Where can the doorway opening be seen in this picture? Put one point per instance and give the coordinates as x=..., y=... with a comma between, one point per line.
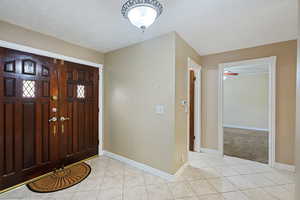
x=194, y=99
x=246, y=119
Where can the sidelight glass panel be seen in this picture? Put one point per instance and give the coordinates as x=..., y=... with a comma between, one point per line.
x=28, y=89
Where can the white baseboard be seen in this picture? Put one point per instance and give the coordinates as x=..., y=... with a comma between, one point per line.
x=282, y=166
x=210, y=151
x=140, y=166
x=244, y=127
x=181, y=169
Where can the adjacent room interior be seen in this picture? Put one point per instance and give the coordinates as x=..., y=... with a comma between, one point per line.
x=245, y=118
x=148, y=100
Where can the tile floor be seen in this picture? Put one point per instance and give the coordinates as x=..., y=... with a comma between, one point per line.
x=208, y=177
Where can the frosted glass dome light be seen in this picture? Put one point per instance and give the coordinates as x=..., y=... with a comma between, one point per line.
x=142, y=13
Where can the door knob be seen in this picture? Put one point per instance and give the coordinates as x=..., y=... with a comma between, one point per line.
x=64, y=118
x=53, y=119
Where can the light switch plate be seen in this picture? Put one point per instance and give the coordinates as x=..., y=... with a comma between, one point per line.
x=159, y=109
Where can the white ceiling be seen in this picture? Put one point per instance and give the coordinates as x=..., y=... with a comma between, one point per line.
x=209, y=26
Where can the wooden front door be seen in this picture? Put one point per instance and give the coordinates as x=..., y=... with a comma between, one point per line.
x=78, y=111
x=192, y=110
x=34, y=138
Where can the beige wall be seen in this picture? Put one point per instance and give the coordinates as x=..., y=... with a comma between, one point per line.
x=297, y=154
x=19, y=35
x=286, y=94
x=183, y=52
x=209, y=136
x=246, y=101
x=136, y=79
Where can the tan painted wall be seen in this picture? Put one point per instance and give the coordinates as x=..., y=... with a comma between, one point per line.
x=286, y=94
x=22, y=36
x=297, y=153
x=246, y=101
x=183, y=52
x=209, y=136
x=136, y=79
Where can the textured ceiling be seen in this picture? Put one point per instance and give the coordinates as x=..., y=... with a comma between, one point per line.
x=209, y=26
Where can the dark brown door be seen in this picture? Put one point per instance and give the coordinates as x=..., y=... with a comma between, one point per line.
x=35, y=93
x=26, y=140
x=78, y=111
x=192, y=109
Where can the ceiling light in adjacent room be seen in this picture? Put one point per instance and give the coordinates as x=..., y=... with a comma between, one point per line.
x=142, y=13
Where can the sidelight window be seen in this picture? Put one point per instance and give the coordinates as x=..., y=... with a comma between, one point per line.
x=28, y=89
x=80, y=91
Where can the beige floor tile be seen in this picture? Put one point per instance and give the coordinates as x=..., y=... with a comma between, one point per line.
x=188, y=198
x=87, y=195
x=132, y=171
x=210, y=173
x=258, y=194
x=243, y=169
x=191, y=173
x=202, y=187
x=241, y=183
x=114, y=171
x=21, y=192
x=259, y=180
x=227, y=171
x=41, y=198
x=159, y=192
x=134, y=180
x=112, y=182
x=278, y=178
x=63, y=194
x=237, y=195
x=89, y=184
x=222, y=185
x=279, y=192
x=180, y=178
x=211, y=197
x=290, y=188
x=111, y=194
x=153, y=180
x=135, y=193
x=199, y=164
x=181, y=189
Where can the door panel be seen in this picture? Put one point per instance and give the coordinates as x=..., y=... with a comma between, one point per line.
x=79, y=105
x=192, y=110
x=24, y=113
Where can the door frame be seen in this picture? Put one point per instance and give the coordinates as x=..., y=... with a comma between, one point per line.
x=192, y=65
x=271, y=62
x=40, y=52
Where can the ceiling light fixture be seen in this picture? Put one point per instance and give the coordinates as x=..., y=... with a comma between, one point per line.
x=142, y=13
